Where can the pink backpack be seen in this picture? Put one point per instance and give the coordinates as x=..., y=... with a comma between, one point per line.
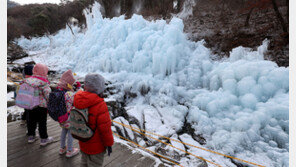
x=27, y=97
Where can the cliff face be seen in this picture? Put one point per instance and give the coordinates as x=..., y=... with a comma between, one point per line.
x=229, y=25
x=156, y=8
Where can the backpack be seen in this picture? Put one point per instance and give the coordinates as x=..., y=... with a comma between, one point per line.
x=79, y=126
x=56, y=106
x=27, y=96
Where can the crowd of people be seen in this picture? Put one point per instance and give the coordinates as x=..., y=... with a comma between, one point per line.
x=39, y=100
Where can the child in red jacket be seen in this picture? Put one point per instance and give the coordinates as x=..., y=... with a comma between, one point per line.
x=99, y=119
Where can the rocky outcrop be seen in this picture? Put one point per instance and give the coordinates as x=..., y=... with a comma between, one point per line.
x=118, y=113
x=15, y=52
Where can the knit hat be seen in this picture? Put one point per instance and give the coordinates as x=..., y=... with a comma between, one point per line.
x=94, y=83
x=28, y=70
x=67, y=80
x=40, y=70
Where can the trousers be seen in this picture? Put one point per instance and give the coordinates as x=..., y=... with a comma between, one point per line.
x=37, y=116
x=64, y=134
x=95, y=160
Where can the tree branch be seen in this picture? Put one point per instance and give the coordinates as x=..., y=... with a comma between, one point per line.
x=70, y=28
x=279, y=16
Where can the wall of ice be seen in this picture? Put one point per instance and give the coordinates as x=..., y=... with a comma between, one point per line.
x=240, y=104
x=133, y=45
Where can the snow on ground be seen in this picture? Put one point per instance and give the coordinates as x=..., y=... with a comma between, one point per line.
x=10, y=96
x=137, y=150
x=239, y=104
x=15, y=112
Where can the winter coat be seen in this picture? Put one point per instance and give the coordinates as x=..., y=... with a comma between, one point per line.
x=43, y=86
x=99, y=119
x=69, y=98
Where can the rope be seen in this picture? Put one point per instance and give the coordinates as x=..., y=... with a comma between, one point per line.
x=192, y=145
x=128, y=126
x=148, y=150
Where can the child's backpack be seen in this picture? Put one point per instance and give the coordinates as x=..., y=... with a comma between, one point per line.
x=56, y=106
x=27, y=96
x=79, y=126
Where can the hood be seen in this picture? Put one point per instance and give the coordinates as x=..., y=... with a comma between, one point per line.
x=40, y=70
x=35, y=82
x=67, y=80
x=83, y=99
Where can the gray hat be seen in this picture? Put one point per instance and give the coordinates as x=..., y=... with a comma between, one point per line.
x=94, y=83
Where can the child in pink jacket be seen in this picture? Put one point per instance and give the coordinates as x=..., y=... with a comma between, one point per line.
x=39, y=115
x=66, y=83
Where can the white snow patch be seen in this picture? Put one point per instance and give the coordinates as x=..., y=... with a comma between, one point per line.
x=15, y=112
x=10, y=96
x=128, y=130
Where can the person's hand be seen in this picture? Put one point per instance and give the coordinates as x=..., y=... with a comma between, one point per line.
x=109, y=149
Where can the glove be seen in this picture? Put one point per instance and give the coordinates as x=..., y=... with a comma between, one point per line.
x=109, y=149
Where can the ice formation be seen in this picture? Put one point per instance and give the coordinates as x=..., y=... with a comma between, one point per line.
x=239, y=104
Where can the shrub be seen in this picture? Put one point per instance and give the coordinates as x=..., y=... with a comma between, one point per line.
x=39, y=19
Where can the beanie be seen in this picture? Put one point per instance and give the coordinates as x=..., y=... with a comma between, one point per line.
x=28, y=70
x=94, y=83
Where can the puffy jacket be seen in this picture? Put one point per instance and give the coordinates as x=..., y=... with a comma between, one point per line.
x=69, y=98
x=99, y=119
x=43, y=85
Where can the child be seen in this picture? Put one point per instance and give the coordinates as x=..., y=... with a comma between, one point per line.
x=99, y=119
x=76, y=86
x=66, y=83
x=27, y=72
x=39, y=115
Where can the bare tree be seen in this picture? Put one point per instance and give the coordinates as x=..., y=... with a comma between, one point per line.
x=248, y=17
x=279, y=16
